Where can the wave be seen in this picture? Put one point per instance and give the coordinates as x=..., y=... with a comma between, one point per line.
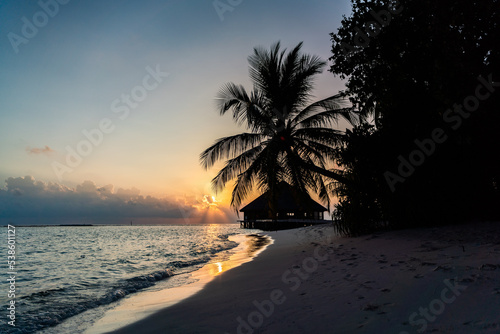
x=64, y=310
x=61, y=290
x=69, y=307
x=43, y=293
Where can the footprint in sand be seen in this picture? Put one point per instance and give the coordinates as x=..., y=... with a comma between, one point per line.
x=467, y=280
x=428, y=264
x=488, y=267
x=443, y=268
x=370, y=307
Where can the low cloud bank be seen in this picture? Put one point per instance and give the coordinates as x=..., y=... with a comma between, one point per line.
x=25, y=200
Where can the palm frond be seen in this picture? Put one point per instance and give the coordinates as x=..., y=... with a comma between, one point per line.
x=308, y=66
x=327, y=118
x=326, y=136
x=244, y=181
x=265, y=69
x=332, y=103
x=310, y=166
x=249, y=109
x=322, y=191
x=229, y=147
x=234, y=167
x=315, y=151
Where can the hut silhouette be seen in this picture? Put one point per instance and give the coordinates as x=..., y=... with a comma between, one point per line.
x=286, y=208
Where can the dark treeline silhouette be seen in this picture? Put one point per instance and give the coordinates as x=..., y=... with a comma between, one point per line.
x=427, y=152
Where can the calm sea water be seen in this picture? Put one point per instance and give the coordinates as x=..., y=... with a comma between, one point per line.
x=65, y=271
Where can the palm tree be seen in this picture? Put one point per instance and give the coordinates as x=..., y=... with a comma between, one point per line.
x=286, y=139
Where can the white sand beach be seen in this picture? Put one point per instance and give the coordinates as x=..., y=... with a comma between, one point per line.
x=439, y=280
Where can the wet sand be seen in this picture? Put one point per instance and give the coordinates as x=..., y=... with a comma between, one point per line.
x=145, y=303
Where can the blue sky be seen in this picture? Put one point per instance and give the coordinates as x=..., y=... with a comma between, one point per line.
x=62, y=79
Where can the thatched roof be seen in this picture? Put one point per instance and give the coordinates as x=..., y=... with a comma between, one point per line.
x=288, y=199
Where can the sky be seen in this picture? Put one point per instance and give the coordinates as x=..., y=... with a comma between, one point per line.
x=105, y=106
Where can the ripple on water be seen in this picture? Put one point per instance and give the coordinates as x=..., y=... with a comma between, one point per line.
x=68, y=270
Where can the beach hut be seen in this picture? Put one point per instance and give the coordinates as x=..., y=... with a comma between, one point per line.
x=292, y=208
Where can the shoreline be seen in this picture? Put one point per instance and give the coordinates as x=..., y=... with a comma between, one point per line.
x=138, y=306
x=445, y=280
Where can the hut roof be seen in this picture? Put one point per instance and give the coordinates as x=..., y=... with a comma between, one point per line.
x=288, y=199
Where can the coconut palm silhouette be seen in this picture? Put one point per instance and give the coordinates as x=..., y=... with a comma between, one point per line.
x=287, y=139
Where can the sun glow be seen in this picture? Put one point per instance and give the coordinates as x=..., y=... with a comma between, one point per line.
x=210, y=208
x=209, y=202
x=217, y=268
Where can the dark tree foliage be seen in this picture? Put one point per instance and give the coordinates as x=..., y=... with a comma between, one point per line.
x=357, y=198
x=411, y=66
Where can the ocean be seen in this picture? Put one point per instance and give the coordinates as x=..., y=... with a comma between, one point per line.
x=73, y=274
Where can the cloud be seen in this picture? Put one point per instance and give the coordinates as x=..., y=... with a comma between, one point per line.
x=44, y=150
x=25, y=200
